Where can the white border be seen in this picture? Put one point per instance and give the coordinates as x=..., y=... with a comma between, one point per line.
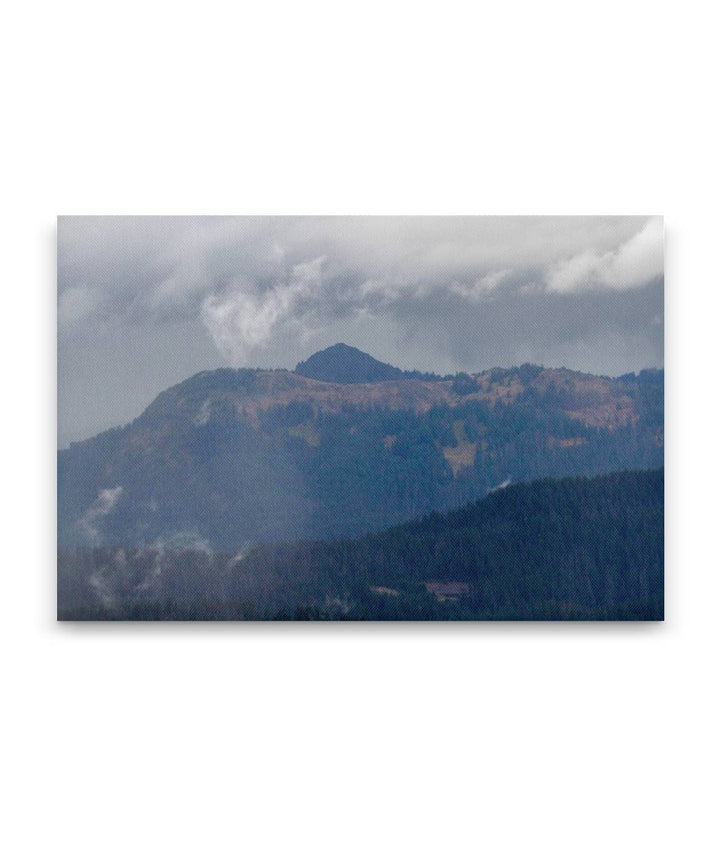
x=505, y=739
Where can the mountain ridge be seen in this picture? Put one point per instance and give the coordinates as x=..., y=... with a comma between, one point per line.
x=244, y=455
x=483, y=384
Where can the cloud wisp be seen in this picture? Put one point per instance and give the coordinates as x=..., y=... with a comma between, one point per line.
x=89, y=523
x=634, y=263
x=243, y=316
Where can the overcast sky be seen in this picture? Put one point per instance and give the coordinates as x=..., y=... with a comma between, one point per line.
x=144, y=302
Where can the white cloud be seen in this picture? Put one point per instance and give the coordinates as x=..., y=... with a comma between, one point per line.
x=481, y=287
x=632, y=264
x=107, y=499
x=640, y=259
x=244, y=317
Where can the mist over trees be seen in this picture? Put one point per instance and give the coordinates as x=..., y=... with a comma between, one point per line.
x=574, y=548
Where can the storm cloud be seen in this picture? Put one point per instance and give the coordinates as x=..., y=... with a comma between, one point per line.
x=145, y=301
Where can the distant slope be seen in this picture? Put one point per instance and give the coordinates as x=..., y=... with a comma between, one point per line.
x=238, y=456
x=569, y=549
x=344, y=364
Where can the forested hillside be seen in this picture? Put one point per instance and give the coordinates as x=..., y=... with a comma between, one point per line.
x=574, y=548
x=231, y=458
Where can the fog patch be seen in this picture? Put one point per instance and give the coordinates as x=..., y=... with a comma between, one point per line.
x=202, y=417
x=89, y=523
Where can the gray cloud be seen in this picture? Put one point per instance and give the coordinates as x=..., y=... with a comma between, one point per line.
x=443, y=293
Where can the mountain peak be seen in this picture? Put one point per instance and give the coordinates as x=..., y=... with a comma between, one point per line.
x=342, y=363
